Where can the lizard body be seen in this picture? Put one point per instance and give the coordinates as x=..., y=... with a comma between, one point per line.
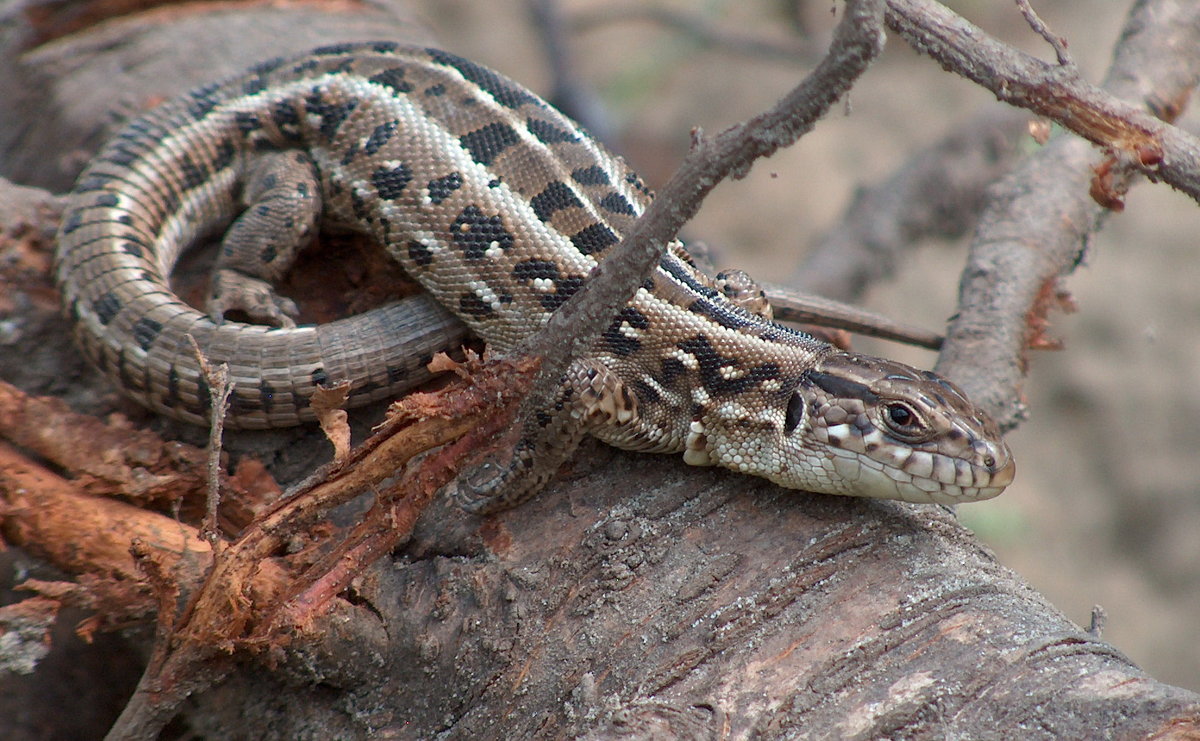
x=500, y=207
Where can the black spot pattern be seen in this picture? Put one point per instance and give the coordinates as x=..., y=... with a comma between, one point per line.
x=633, y=179
x=710, y=363
x=474, y=232
x=287, y=119
x=202, y=100
x=391, y=181
x=305, y=66
x=225, y=152
x=616, y=341
x=334, y=50
x=645, y=393
x=332, y=115
x=380, y=136
x=504, y=92
x=194, y=173
x=118, y=153
x=436, y=91
x=564, y=288
x=73, y=221
x=133, y=247
x=254, y=85
x=472, y=305
x=591, y=175
x=358, y=203
x=419, y=253
x=93, y=181
x=106, y=307
x=268, y=253
x=616, y=203
x=173, y=395
x=842, y=388
x=593, y=239
x=672, y=370
x=246, y=122
x=145, y=332
x=676, y=269
x=441, y=188
x=367, y=388
x=556, y=196
x=486, y=143
x=319, y=377
x=548, y=133
x=396, y=374
x=392, y=78
x=530, y=270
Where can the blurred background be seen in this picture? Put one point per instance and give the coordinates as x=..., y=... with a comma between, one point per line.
x=1106, y=506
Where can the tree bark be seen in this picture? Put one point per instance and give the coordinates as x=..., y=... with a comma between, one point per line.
x=636, y=597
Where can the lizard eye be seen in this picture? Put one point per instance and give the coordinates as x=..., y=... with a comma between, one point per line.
x=901, y=419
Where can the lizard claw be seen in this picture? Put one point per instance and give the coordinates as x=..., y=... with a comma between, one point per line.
x=235, y=291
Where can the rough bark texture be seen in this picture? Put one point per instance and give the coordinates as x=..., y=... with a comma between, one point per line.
x=635, y=598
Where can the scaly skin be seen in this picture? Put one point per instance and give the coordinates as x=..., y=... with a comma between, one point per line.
x=499, y=206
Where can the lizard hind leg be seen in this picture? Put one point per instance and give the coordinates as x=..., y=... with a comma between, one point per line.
x=590, y=396
x=282, y=194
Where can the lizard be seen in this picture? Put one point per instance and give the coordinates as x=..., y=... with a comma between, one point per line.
x=499, y=206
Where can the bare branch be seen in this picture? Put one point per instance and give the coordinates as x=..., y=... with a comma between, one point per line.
x=937, y=192
x=1039, y=218
x=219, y=388
x=1157, y=149
x=857, y=41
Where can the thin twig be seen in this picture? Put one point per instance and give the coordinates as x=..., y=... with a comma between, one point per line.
x=857, y=41
x=219, y=389
x=1157, y=149
x=1039, y=218
x=1056, y=42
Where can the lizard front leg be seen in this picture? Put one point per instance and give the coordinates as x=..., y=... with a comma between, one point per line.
x=590, y=396
x=282, y=194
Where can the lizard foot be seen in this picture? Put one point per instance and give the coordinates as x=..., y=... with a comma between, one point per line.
x=234, y=291
x=590, y=395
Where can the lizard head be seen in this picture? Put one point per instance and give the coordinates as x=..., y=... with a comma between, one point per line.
x=865, y=426
x=888, y=430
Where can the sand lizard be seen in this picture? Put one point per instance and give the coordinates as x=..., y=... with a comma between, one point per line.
x=499, y=206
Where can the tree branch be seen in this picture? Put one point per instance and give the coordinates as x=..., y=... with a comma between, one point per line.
x=1157, y=149
x=1037, y=222
x=857, y=41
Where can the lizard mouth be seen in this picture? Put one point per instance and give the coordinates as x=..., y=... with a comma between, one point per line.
x=928, y=477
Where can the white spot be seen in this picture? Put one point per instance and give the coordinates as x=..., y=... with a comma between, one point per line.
x=493, y=251
x=687, y=359
x=728, y=372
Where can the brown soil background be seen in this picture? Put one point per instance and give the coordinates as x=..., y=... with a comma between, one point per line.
x=1106, y=507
